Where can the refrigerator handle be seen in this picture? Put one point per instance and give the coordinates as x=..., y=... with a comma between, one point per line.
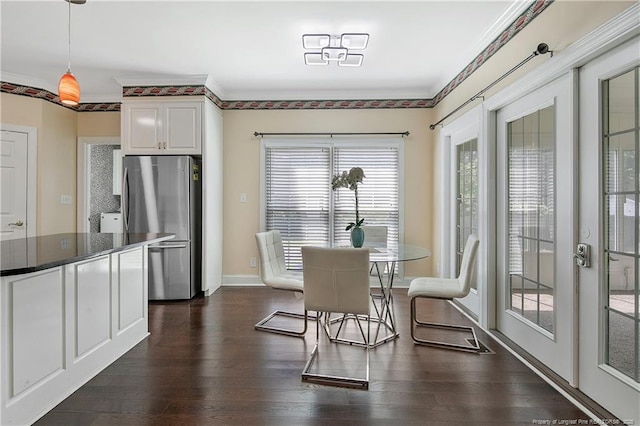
x=125, y=199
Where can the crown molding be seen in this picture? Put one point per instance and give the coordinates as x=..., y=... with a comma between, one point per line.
x=510, y=15
x=621, y=28
x=140, y=80
x=23, y=80
x=101, y=99
x=317, y=95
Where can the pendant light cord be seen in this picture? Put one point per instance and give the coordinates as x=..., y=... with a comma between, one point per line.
x=69, y=39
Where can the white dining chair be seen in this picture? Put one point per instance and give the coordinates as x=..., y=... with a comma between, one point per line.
x=445, y=289
x=376, y=237
x=337, y=281
x=274, y=273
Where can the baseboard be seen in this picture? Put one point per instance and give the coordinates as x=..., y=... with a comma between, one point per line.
x=254, y=280
x=241, y=280
x=575, y=396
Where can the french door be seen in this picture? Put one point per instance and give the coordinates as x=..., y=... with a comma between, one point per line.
x=535, y=224
x=465, y=211
x=609, y=364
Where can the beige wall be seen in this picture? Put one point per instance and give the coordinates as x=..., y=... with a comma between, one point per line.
x=58, y=129
x=560, y=25
x=56, y=169
x=56, y=175
x=95, y=124
x=242, y=172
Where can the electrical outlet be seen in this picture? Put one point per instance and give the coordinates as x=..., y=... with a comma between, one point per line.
x=252, y=262
x=65, y=243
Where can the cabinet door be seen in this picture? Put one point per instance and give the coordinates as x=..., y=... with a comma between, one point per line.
x=182, y=128
x=141, y=129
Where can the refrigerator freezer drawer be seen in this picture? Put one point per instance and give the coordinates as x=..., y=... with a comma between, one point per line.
x=171, y=271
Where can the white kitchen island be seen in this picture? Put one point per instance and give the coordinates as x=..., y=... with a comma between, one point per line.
x=70, y=305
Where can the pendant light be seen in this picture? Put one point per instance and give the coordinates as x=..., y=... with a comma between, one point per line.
x=68, y=87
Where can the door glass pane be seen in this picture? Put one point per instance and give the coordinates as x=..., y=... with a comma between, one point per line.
x=621, y=344
x=620, y=144
x=467, y=199
x=531, y=203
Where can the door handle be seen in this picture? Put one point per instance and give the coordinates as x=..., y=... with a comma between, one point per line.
x=125, y=199
x=171, y=246
x=583, y=255
x=18, y=223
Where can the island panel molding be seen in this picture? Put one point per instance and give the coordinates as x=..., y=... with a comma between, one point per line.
x=70, y=305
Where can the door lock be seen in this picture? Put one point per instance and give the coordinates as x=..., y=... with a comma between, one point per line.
x=583, y=255
x=18, y=223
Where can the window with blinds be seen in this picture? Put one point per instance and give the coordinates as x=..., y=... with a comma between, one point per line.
x=299, y=201
x=377, y=194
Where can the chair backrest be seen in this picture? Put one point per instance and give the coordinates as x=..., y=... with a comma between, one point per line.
x=336, y=279
x=375, y=236
x=468, y=260
x=271, y=253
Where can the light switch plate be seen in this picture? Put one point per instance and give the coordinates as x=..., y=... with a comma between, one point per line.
x=243, y=198
x=65, y=199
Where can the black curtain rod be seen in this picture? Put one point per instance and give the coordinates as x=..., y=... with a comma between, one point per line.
x=332, y=134
x=540, y=50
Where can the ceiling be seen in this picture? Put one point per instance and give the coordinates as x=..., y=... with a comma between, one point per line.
x=250, y=50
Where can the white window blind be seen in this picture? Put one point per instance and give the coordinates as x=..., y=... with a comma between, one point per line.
x=299, y=201
x=297, y=184
x=377, y=194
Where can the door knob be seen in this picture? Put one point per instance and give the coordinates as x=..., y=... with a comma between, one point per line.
x=583, y=255
x=18, y=223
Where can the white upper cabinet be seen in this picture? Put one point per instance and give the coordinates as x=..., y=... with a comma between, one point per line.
x=162, y=128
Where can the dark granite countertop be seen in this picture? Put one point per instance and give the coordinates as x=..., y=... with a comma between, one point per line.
x=25, y=255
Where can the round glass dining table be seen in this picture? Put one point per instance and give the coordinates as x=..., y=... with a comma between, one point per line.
x=385, y=260
x=383, y=264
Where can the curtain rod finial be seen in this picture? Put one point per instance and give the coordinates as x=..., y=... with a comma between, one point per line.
x=542, y=49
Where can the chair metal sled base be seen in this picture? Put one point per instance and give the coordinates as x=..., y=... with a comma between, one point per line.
x=325, y=379
x=263, y=327
x=474, y=347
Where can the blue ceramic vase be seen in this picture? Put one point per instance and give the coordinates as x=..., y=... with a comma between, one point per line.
x=357, y=237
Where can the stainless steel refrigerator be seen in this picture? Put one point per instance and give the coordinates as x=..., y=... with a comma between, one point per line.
x=163, y=194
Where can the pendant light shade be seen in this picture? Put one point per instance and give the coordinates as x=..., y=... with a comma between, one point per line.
x=69, y=89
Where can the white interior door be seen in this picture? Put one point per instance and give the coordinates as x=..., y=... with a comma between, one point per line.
x=535, y=224
x=609, y=367
x=13, y=185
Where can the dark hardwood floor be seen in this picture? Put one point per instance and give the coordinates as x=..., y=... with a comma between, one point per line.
x=205, y=364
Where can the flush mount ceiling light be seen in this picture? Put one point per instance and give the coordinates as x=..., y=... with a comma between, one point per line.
x=338, y=49
x=68, y=87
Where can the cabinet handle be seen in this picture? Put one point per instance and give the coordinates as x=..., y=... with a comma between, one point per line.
x=164, y=145
x=159, y=145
